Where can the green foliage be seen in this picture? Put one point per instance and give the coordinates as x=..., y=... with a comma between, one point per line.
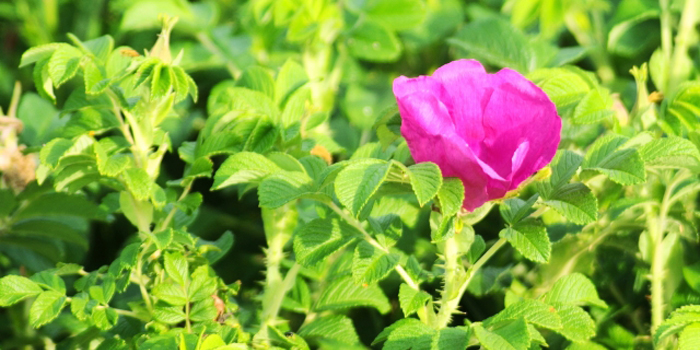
x=127, y=174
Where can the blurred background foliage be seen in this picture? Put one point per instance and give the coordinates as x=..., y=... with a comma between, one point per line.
x=352, y=50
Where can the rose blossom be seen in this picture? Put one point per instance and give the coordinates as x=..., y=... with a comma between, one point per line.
x=490, y=130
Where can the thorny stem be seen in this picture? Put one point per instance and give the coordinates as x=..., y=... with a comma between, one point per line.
x=448, y=307
x=657, y=229
x=278, y=227
x=287, y=284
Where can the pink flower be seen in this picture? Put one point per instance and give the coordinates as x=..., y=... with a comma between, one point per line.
x=490, y=130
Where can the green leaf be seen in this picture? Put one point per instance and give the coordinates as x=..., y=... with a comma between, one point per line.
x=78, y=305
x=211, y=342
x=283, y=187
x=533, y=311
x=589, y=345
x=46, y=308
x=203, y=310
x=594, y=107
x=258, y=79
x=97, y=293
x=40, y=118
x=358, y=182
x=671, y=152
x=333, y=327
x=161, y=81
x=290, y=77
x=406, y=334
x=496, y=42
x=139, y=213
x=95, y=82
x=374, y=42
x=7, y=202
x=371, y=265
x=426, y=180
x=574, y=289
x=104, y=318
x=319, y=238
x=397, y=14
x=49, y=280
x=634, y=29
x=177, y=267
x=530, y=239
x=564, y=166
x=343, y=293
x=51, y=154
x=575, y=202
x=170, y=293
x=451, y=196
x=64, y=64
x=411, y=300
x=295, y=108
x=243, y=167
x=444, y=231
x=101, y=47
x=678, y=319
x=168, y=314
x=578, y=326
x=515, y=209
x=565, y=86
x=14, y=289
x=145, y=71
x=512, y=336
x=39, y=53
x=222, y=246
x=139, y=183
x=684, y=104
x=450, y=339
x=42, y=80
x=202, y=286
x=242, y=100
x=622, y=165
x=113, y=344
x=690, y=337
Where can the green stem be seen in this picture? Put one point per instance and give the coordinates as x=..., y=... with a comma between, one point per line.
x=276, y=303
x=656, y=225
x=666, y=32
x=690, y=17
x=448, y=307
x=129, y=313
x=596, y=44
x=450, y=297
x=139, y=279
x=188, y=325
x=279, y=225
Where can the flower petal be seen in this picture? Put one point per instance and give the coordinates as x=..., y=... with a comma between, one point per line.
x=518, y=112
x=431, y=138
x=467, y=91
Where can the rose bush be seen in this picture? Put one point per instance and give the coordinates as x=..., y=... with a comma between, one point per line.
x=490, y=130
